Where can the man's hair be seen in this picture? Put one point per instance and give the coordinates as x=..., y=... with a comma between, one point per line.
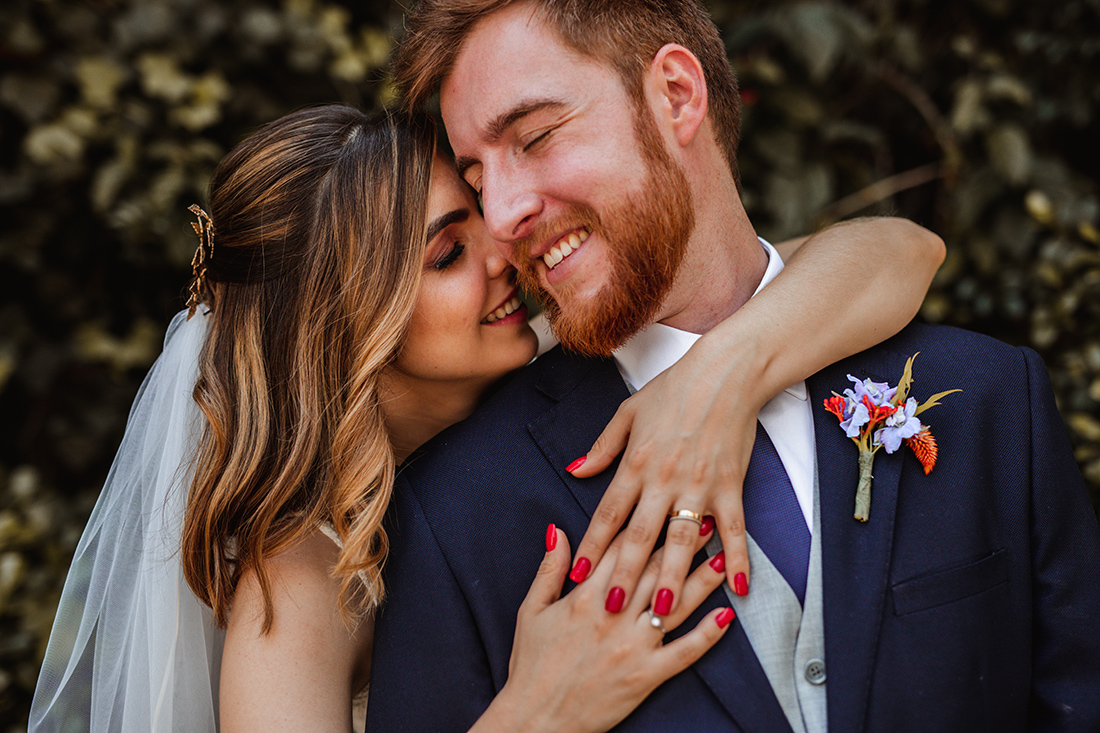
x=625, y=34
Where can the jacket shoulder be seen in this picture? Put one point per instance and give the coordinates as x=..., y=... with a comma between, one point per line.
x=501, y=422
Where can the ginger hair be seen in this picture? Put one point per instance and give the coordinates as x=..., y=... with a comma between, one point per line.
x=625, y=34
x=319, y=227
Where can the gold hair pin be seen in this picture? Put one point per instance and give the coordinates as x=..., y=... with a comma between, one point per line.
x=204, y=227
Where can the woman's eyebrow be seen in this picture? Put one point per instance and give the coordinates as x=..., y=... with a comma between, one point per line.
x=442, y=222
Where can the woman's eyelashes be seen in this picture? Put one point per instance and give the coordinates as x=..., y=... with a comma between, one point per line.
x=449, y=259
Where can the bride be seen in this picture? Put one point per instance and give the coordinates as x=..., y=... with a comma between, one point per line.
x=343, y=258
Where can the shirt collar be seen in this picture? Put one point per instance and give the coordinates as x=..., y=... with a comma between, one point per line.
x=657, y=347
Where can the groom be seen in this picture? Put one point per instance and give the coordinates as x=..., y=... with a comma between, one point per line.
x=970, y=599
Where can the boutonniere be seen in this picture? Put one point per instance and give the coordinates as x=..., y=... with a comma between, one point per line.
x=875, y=415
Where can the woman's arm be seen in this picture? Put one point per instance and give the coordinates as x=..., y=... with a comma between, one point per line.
x=303, y=673
x=688, y=434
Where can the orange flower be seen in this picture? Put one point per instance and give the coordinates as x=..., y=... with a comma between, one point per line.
x=924, y=447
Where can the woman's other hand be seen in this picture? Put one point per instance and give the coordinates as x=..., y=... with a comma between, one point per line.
x=575, y=666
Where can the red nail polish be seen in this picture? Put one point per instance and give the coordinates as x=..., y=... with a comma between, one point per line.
x=576, y=464
x=615, y=598
x=718, y=562
x=551, y=538
x=580, y=570
x=707, y=526
x=663, y=605
x=740, y=585
x=723, y=619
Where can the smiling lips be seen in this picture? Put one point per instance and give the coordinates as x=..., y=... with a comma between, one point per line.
x=511, y=306
x=566, y=246
x=557, y=254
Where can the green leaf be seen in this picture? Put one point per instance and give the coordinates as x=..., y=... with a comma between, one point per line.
x=934, y=400
x=1010, y=153
x=905, y=382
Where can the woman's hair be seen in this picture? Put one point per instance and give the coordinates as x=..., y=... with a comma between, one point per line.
x=319, y=238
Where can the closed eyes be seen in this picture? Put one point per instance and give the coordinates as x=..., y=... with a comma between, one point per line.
x=536, y=141
x=449, y=259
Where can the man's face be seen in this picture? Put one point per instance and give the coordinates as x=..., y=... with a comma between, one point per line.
x=579, y=188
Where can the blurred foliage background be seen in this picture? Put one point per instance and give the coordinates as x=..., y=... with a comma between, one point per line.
x=975, y=118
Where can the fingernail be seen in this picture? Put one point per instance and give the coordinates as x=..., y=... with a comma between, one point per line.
x=663, y=605
x=580, y=570
x=615, y=598
x=718, y=562
x=740, y=585
x=576, y=464
x=723, y=619
x=707, y=526
x=551, y=538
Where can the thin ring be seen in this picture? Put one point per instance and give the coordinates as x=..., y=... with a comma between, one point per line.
x=655, y=621
x=688, y=515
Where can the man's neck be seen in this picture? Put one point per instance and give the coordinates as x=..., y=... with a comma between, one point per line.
x=722, y=266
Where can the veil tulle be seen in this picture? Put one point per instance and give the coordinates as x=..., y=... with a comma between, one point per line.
x=132, y=648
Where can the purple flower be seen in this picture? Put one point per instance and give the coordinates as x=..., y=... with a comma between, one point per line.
x=879, y=393
x=856, y=418
x=899, y=426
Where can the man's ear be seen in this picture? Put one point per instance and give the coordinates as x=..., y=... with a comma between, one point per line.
x=676, y=76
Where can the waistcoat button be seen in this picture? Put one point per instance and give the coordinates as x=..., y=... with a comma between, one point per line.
x=815, y=672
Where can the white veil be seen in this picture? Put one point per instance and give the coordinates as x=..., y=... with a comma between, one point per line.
x=132, y=648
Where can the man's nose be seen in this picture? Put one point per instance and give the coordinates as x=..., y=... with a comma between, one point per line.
x=511, y=207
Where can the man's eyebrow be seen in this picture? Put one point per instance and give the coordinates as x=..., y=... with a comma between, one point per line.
x=442, y=222
x=503, y=121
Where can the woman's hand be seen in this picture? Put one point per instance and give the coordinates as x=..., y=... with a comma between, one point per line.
x=577, y=667
x=688, y=434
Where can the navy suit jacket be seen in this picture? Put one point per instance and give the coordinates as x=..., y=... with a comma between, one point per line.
x=969, y=602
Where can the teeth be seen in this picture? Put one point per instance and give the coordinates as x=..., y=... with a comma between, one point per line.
x=505, y=310
x=564, y=248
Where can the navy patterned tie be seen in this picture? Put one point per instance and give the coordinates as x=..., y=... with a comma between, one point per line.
x=772, y=515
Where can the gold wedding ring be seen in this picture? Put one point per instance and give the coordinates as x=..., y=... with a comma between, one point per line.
x=688, y=515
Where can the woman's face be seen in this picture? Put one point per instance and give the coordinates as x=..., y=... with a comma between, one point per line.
x=469, y=327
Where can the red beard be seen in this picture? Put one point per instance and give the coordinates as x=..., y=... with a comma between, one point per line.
x=646, y=234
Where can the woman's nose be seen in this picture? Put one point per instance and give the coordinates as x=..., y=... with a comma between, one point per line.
x=495, y=264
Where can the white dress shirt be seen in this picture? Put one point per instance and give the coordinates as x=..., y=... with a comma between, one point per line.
x=787, y=417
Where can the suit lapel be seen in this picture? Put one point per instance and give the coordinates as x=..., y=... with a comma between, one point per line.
x=586, y=393
x=855, y=555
